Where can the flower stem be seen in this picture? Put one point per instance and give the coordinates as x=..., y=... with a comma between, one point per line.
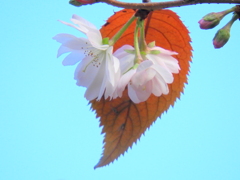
x=230, y=23
x=229, y=10
x=121, y=31
x=142, y=42
x=138, y=58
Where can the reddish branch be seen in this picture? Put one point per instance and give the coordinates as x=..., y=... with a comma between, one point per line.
x=162, y=5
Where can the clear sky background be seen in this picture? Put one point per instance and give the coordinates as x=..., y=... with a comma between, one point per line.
x=48, y=132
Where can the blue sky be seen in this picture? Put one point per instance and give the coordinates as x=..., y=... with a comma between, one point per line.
x=48, y=132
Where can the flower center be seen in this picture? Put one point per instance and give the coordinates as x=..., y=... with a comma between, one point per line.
x=94, y=57
x=95, y=62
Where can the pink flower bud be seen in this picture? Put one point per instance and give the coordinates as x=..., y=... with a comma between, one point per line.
x=86, y=1
x=221, y=38
x=81, y=2
x=210, y=20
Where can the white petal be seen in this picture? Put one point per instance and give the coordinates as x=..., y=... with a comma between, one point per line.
x=121, y=53
x=149, y=86
x=62, y=38
x=142, y=93
x=109, y=90
x=70, y=43
x=164, y=51
x=155, y=59
x=116, y=64
x=83, y=25
x=161, y=68
x=97, y=87
x=126, y=59
x=72, y=58
x=156, y=90
x=79, y=75
x=83, y=29
x=164, y=73
x=103, y=80
x=170, y=62
x=137, y=78
x=144, y=65
x=162, y=84
x=124, y=80
x=77, y=44
x=127, y=62
x=85, y=72
x=141, y=77
x=96, y=40
x=139, y=94
x=63, y=50
x=132, y=94
x=165, y=60
x=146, y=76
x=110, y=70
x=82, y=22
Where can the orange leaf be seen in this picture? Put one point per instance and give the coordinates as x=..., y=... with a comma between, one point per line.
x=124, y=121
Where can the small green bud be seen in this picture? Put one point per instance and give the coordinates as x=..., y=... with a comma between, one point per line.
x=143, y=53
x=105, y=40
x=130, y=51
x=152, y=44
x=221, y=38
x=155, y=52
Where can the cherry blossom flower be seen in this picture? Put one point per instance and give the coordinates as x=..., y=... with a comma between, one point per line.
x=97, y=70
x=151, y=76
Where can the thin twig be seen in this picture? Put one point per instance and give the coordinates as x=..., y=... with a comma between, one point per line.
x=162, y=5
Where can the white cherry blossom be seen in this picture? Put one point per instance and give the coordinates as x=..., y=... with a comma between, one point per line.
x=97, y=69
x=151, y=76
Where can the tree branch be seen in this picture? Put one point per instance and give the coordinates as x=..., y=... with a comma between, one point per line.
x=162, y=5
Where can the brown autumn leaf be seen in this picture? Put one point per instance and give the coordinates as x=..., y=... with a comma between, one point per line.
x=124, y=121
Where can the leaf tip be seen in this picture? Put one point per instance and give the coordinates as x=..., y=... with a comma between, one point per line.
x=99, y=164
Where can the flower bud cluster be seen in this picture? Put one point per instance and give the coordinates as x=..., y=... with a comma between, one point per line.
x=211, y=20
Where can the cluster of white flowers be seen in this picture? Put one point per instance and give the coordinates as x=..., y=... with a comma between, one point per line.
x=107, y=74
